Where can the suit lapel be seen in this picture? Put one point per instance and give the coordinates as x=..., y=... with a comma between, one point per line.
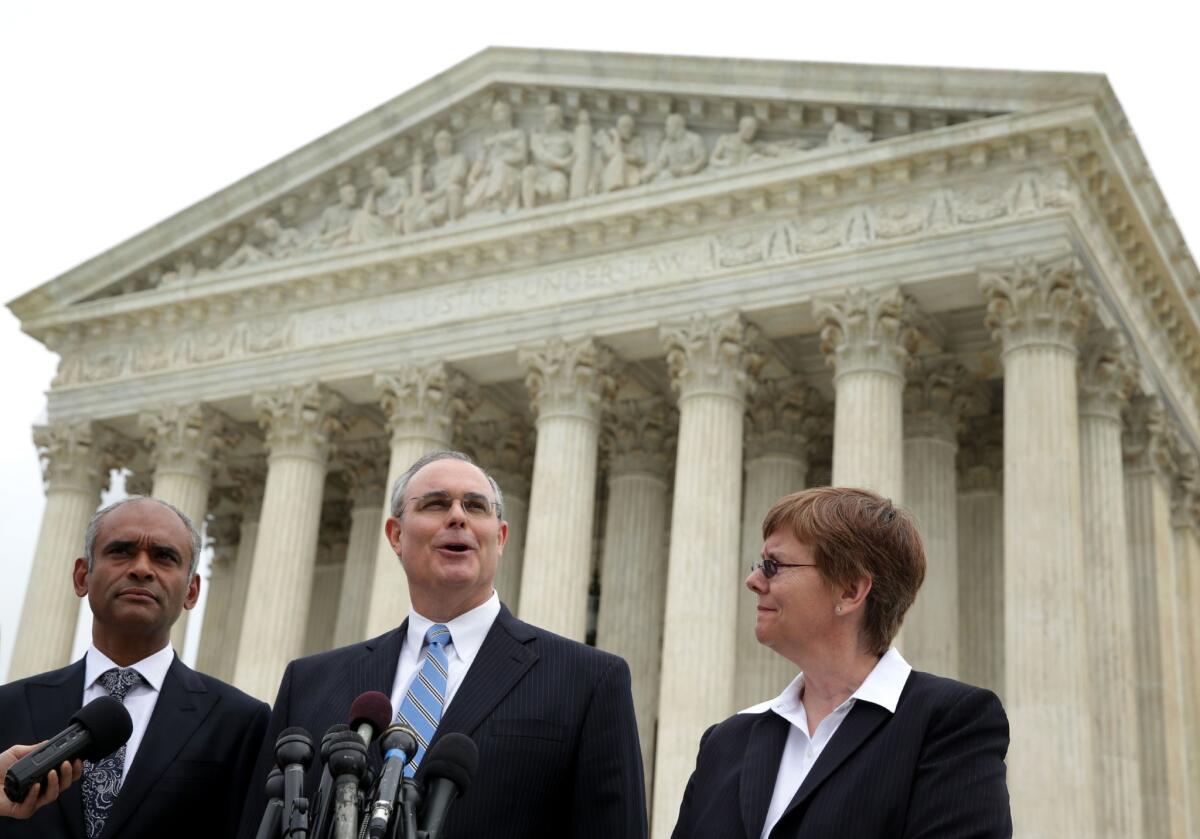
x=760, y=765
x=862, y=720
x=53, y=698
x=502, y=660
x=182, y=706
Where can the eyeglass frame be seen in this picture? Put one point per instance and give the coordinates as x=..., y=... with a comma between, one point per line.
x=491, y=508
x=770, y=567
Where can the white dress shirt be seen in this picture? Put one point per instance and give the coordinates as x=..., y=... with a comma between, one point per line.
x=140, y=699
x=467, y=632
x=881, y=687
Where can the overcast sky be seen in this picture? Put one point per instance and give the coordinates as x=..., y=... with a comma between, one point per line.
x=118, y=114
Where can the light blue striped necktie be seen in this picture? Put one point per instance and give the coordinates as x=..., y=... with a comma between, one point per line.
x=421, y=708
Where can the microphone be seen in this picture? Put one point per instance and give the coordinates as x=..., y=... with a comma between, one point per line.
x=293, y=754
x=321, y=802
x=268, y=828
x=399, y=744
x=446, y=770
x=370, y=714
x=97, y=730
x=347, y=762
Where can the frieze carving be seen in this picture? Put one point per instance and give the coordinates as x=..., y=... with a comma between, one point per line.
x=513, y=161
x=814, y=231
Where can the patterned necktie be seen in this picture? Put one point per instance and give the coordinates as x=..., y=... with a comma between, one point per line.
x=421, y=708
x=102, y=779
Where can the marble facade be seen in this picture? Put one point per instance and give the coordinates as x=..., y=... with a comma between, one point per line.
x=651, y=295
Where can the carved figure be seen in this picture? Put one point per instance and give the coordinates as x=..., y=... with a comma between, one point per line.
x=494, y=182
x=841, y=134
x=583, y=175
x=447, y=178
x=547, y=179
x=337, y=220
x=276, y=242
x=682, y=152
x=388, y=196
x=740, y=147
x=623, y=154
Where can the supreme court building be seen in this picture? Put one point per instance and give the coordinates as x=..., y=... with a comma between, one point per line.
x=652, y=295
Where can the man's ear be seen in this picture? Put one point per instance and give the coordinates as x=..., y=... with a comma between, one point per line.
x=193, y=592
x=79, y=577
x=391, y=529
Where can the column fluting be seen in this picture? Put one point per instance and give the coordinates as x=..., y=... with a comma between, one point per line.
x=222, y=534
x=365, y=471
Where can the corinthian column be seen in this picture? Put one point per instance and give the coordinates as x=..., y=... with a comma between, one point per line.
x=184, y=441
x=710, y=363
x=569, y=384
x=299, y=422
x=422, y=402
x=505, y=449
x=247, y=495
x=981, y=554
x=365, y=470
x=1036, y=310
x=863, y=335
x=328, y=577
x=933, y=402
x=1184, y=497
x=223, y=533
x=776, y=464
x=1149, y=466
x=74, y=469
x=1106, y=379
x=633, y=579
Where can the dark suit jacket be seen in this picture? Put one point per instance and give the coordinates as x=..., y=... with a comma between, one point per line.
x=189, y=773
x=935, y=768
x=553, y=720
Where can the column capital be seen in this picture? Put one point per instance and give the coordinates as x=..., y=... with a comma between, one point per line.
x=1146, y=439
x=505, y=449
x=364, y=468
x=866, y=330
x=1036, y=302
x=248, y=482
x=936, y=399
x=713, y=354
x=779, y=417
x=425, y=400
x=569, y=378
x=980, y=457
x=1106, y=375
x=640, y=437
x=223, y=532
x=187, y=438
x=335, y=531
x=299, y=420
x=78, y=455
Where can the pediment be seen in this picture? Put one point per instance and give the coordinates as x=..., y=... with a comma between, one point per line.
x=510, y=131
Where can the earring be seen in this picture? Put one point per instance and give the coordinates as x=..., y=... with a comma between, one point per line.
x=837, y=609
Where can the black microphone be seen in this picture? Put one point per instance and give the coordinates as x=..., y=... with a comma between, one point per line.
x=446, y=770
x=97, y=730
x=370, y=714
x=399, y=744
x=293, y=754
x=322, y=802
x=347, y=762
x=272, y=818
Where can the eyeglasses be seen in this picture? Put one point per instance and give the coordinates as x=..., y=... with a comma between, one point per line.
x=770, y=567
x=473, y=504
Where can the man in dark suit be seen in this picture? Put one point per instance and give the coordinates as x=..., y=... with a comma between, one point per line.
x=553, y=719
x=859, y=744
x=185, y=766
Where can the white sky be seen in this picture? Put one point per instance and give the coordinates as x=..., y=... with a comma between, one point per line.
x=118, y=114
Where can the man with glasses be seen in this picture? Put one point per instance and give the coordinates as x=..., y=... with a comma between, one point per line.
x=553, y=719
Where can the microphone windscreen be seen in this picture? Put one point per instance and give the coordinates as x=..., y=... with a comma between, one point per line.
x=453, y=756
x=333, y=734
x=371, y=707
x=109, y=724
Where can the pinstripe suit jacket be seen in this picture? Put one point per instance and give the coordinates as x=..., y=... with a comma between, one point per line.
x=935, y=768
x=558, y=747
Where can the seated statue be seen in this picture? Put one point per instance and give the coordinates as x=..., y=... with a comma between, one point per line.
x=336, y=222
x=740, y=147
x=547, y=179
x=622, y=155
x=494, y=182
x=841, y=134
x=383, y=208
x=275, y=242
x=446, y=180
x=682, y=153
